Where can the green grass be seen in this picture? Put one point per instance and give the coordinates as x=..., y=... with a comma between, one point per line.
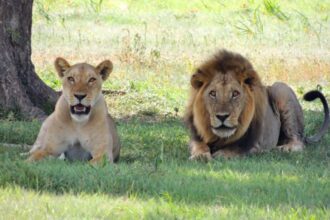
x=267, y=186
x=155, y=46
x=255, y=188
x=154, y=179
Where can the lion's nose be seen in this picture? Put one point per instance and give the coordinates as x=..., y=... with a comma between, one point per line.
x=222, y=116
x=79, y=97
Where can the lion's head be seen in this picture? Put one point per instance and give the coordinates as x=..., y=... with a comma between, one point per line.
x=82, y=85
x=227, y=95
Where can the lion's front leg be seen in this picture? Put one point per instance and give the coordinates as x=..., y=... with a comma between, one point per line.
x=294, y=145
x=199, y=151
x=227, y=153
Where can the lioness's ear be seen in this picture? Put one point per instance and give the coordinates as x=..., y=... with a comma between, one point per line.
x=104, y=69
x=61, y=65
x=197, y=79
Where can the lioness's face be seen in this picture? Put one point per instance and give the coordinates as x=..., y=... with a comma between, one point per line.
x=82, y=85
x=224, y=100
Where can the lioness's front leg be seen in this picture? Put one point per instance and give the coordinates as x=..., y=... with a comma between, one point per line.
x=38, y=155
x=41, y=152
x=199, y=150
x=98, y=153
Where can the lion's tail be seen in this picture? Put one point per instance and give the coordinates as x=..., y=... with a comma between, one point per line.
x=310, y=96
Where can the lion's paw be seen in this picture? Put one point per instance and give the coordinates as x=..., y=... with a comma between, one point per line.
x=206, y=156
x=292, y=147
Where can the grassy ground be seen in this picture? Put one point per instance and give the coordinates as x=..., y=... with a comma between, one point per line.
x=155, y=46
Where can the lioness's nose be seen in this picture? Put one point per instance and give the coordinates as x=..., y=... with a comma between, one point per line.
x=222, y=117
x=79, y=97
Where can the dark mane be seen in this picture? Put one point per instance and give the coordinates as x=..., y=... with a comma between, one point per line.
x=196, y=117
x=224, y=61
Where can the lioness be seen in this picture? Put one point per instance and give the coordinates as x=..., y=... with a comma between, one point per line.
x=231, y=112
x=80, y=122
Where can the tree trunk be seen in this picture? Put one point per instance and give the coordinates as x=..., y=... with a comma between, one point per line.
x=20, y=87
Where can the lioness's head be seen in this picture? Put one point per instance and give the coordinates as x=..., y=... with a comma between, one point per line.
x=225, y=101
x=82, y=85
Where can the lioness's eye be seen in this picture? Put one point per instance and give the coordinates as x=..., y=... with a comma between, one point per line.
x=212, y=94
x=71, y=79
x=91, y=80
x=235, y=94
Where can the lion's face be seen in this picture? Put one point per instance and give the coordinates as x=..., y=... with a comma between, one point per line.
x=224, y=97
x=82, y=85
x=224, y=100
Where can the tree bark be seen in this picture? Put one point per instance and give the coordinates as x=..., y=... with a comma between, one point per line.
x=20, y=87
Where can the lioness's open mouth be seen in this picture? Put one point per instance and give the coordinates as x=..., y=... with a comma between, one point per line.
x=80, y=109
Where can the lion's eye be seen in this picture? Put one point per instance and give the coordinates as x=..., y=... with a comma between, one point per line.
x=71, y=79
x=235, y=94
x=212, y=94
x=91, y=80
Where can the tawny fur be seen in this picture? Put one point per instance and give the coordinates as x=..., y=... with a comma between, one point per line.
x=260, y=117
x=64, y=131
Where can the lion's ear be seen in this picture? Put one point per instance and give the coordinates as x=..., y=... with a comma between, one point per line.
x=61, y=65
x=251, y=78
x=249, y=81
x=198, y=79
x=104, y=69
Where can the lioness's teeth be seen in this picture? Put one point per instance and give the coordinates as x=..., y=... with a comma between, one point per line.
x=79, y=108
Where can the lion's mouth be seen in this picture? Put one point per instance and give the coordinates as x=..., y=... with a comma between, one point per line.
x=224, y=131
x=224, y=128
x=80, y=109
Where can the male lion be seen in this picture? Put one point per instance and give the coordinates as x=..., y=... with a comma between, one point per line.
x=231, y=112
x=80, y=126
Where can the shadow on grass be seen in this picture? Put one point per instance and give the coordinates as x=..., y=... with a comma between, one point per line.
x=154, y=165
x=259, y=181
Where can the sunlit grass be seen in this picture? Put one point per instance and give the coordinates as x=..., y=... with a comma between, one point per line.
x=273, y=185
x=155, y=46
x=20, y=203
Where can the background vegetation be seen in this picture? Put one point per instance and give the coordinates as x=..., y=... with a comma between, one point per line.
x=155, y=46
